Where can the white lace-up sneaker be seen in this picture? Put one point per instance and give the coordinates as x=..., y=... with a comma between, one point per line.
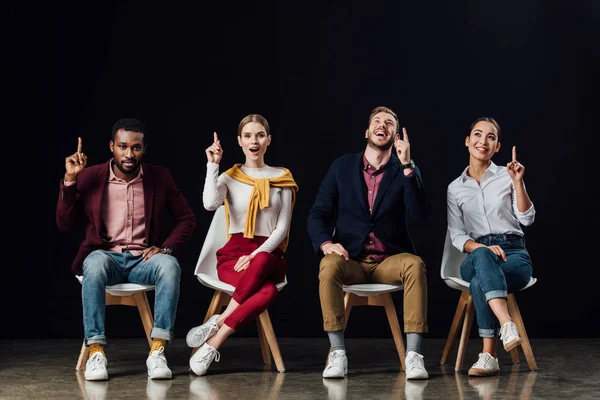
x=337, y=365
x=415, y=366
x=202, y=359
x=200, y=334
x=510, y=336
x=157, y=365
x=486, y=365
x=95, y=367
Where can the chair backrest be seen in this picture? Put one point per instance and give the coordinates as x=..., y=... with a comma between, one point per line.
x=216, y=237
x=452, y=258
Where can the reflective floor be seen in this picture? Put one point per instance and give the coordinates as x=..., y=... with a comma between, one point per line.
x=36, y=369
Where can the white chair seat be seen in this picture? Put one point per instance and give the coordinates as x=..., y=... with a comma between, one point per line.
x=371, y=289
x=459, y=284
x=124, y=289
x=215, y=283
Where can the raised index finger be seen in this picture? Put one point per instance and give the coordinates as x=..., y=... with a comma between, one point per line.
x=514, y=153
x=405, y=134
x=79, y=145
x=216, y=137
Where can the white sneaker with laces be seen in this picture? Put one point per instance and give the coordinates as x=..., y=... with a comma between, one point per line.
x=337, y=365
x=202, y=359
x=200, y=334
x=486, y=365
x=95, y=367
x=157, y=365
x=510, y=336
x=415, y=366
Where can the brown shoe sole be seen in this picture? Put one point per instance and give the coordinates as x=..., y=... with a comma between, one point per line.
x=513, y=344
x=481, y=372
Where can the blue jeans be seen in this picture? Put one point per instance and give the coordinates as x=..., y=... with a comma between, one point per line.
x=491, y=278
x=103, y=268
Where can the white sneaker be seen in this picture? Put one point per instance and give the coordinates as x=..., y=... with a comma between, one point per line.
x=201, y=360
x=415, y=366
x=157, y=365
x=510, y=336
x=337, y=365
x=486, y=365
x=95, y=367
x=200, y=334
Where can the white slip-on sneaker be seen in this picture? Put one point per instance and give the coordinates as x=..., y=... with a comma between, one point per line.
x=510, y=336
x=157, y=365
x=200, y=334
x=415, y=366
x=202, y=359
x=337, y=365
x=95, y=367
x=486, y=365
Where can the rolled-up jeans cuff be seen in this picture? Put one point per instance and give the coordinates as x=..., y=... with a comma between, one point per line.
x=487, y=333
x=98, y=339
x=158, y=333
x=496, y=294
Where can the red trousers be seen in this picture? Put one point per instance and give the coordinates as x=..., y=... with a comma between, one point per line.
x=255, y=288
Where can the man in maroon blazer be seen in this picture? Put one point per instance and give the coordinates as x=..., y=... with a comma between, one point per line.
x=120, y=204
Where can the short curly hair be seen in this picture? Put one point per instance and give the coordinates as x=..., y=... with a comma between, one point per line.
x=128, y=124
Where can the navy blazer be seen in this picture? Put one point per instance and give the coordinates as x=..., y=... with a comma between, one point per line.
x=341, y=211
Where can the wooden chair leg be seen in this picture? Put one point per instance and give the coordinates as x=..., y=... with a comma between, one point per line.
x=390, y=311
x=514, y=355
x=513, y=310
x=83, y=356
x=214, y=306
x=348, y=303
x=458, y=318
x=464, y=336
x=145, y=314
x=267, y=328
x=264, y=345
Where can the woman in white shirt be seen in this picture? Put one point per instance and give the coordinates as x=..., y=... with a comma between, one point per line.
x=486, y=206
x=258, y=206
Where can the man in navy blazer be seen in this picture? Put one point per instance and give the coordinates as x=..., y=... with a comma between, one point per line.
x=120, y=204
x=358, y=222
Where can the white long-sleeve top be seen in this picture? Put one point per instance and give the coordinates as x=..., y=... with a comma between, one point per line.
x=272, y=222
x=489, y=207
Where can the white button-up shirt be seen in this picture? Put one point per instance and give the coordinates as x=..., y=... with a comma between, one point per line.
x=478, y=209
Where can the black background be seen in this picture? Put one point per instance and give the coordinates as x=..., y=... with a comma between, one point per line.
x=315, y=71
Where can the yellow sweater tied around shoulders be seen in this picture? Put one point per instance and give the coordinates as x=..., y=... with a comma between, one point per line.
x=259, y=198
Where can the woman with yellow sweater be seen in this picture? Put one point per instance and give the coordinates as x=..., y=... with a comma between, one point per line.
x=259, y=200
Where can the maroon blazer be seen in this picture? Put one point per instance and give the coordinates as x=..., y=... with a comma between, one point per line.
x=82, y=202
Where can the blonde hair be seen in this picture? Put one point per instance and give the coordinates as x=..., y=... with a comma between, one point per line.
x=254, y=118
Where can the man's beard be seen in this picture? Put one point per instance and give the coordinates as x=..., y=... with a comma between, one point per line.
x=384, y=147
x=127, y=171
